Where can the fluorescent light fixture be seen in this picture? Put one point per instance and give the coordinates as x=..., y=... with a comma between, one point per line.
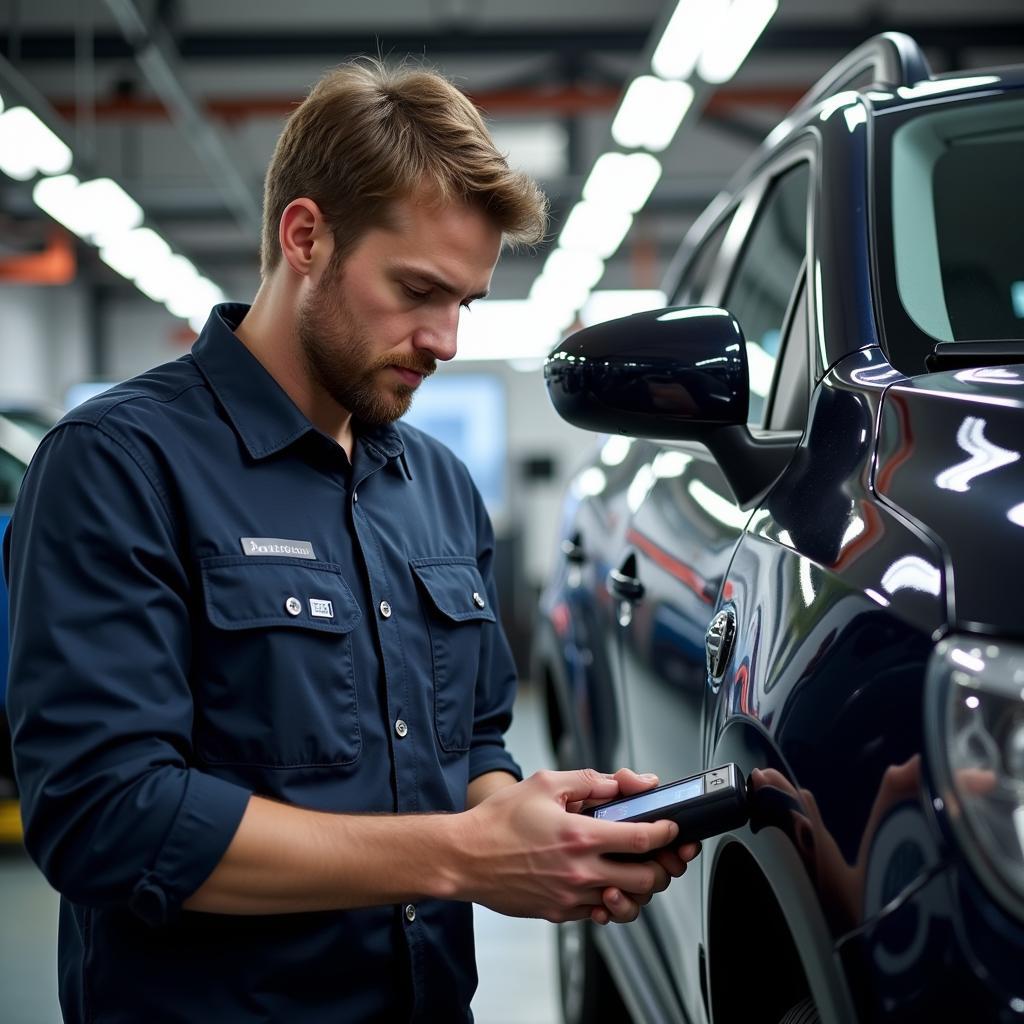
x=610, y=304
x=622, y=180
x=555, y=301
x=94, y=210
x=504, y=329
x=28, y=147
x=690, y=26
x=670, y=464
x=573, y=269
x=734, y=37
x=595, y=228
x=111, y=211
x=615, y=450
x=130, y=254
x=651, y=112
x=591, y=482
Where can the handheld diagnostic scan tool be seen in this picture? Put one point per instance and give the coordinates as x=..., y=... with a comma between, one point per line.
x=702, y=806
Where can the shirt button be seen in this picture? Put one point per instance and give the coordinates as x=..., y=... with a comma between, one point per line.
x=293, y=606
x=410, y=913
x=385, y=609
x=401, y=728
x=478, y=600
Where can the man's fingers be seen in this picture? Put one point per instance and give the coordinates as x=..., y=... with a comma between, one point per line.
x=631, y=782
x=633, y=837
x=577, y=786
x=622, y=908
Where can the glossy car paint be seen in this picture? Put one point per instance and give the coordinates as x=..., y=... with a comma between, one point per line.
x=894, y=523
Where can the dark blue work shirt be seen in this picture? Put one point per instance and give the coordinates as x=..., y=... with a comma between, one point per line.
x=208, y=600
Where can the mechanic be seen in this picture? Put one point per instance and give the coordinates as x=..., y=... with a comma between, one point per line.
x=258, y=685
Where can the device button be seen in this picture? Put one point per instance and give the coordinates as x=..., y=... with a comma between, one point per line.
x=716, y=780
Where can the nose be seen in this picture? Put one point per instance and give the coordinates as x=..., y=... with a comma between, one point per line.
x=440, y=336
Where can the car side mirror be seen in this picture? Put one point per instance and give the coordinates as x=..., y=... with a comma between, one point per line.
x=671, y=374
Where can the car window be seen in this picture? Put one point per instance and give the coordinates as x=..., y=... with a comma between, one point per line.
x=11, y=472
x=766, y=275
x=787, y=407
x=698, y=271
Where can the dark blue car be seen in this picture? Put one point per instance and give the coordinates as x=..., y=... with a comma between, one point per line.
x=800, y=548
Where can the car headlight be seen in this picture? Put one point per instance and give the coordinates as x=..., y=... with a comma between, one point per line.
x=975, y=709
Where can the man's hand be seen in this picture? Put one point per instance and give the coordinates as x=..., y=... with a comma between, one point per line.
x=525, y=856
x=622, y=907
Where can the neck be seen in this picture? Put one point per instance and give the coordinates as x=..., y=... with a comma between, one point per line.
x=269, y=333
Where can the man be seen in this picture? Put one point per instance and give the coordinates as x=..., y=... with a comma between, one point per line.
x=258, y=686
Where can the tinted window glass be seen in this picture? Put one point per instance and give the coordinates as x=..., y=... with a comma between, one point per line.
x=698, y=271
x=765, y=276
x=955, y=209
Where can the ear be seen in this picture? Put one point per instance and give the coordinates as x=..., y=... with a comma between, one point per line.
x=305, y=240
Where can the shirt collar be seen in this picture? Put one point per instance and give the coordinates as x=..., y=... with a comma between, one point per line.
x=265, y=418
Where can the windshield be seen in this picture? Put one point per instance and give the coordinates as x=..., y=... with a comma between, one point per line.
x=953, y=207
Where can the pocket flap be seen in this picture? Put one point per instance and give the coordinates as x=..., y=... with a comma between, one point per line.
x=455, y=587
x=245, y=593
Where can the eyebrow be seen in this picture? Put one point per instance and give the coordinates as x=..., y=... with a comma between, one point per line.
x=440, y=282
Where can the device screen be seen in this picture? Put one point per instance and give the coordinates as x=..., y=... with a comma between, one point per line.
x=651, y=801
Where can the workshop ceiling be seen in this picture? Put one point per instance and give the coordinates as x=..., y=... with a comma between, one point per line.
x=549, y=74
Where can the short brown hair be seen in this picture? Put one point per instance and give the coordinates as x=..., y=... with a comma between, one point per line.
x=367, y=135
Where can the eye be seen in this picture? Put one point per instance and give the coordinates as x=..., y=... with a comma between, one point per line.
x=414, y=293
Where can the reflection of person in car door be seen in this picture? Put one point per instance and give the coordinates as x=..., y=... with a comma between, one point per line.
x=842, y=885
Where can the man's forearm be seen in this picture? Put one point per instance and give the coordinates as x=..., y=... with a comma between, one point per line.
x=285, y=859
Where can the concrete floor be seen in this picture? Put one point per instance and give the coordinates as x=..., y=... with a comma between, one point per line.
x=515, y=958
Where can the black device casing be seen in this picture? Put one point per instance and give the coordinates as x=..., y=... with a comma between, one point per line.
x=697, y=818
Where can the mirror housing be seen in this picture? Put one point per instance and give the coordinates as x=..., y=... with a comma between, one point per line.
x=671, y=374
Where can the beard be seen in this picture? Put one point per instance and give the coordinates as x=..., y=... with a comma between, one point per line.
x=338, y=351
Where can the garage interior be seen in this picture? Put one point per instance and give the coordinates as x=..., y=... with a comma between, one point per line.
x=179, y=103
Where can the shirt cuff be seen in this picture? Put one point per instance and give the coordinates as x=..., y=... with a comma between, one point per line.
x=492, y=759
x=204, y=826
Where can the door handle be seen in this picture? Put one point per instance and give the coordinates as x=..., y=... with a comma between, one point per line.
x=572, y=548
x=623, y=582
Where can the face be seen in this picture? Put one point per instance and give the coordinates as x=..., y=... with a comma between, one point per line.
x=373, y=330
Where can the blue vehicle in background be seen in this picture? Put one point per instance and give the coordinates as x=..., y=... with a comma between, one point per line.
x=17, y=443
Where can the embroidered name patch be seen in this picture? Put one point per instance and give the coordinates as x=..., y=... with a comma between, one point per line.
x=263, y=546
x=321, y=609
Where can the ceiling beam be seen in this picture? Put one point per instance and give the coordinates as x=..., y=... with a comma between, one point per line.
x=330, y=44
x=155, y=52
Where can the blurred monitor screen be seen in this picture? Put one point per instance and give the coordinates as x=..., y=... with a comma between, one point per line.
x=466, y=412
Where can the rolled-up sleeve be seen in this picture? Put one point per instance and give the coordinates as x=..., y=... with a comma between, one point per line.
x=496, y=682
x=99, y=699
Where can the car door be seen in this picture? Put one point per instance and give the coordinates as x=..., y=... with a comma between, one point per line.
x=685, y=523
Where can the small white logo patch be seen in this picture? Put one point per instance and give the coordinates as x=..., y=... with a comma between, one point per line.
x=321, y=609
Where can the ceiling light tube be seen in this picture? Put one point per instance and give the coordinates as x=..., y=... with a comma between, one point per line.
x=650, y=113
x=28, y=147
x=691, y=25
x=623, y=180
x=594, y=228
x=733, y=39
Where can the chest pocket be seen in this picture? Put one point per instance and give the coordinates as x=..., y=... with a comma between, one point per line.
x=274, y=671
x=457, y=609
